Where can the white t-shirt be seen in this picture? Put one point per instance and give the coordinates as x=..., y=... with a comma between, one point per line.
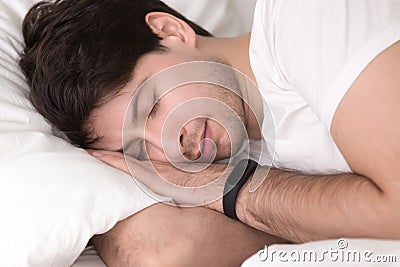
x=305, y=55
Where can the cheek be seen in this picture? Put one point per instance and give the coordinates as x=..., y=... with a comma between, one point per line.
x=185, y=93
x=169, y=111
x=158, y=130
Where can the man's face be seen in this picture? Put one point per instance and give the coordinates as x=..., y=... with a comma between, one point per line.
x=189, y=140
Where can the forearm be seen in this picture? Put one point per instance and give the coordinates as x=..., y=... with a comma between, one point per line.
x=304, y=208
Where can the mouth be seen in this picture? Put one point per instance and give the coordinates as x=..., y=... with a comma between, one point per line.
x=206, y=142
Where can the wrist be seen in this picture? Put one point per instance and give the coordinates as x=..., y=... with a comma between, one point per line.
x=242, y=203
x=252, y=207
x=237, y=180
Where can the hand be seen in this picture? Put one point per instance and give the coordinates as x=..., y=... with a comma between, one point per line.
x=185, y=187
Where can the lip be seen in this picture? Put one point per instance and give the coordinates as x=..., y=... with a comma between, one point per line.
x=207, y=146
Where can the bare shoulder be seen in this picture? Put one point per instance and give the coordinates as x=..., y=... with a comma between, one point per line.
x=366, y=125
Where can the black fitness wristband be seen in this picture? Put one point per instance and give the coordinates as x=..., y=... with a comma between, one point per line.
x=240, y=174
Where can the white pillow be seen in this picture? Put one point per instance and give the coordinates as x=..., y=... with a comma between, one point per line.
x=223, y=18
x=53, y=196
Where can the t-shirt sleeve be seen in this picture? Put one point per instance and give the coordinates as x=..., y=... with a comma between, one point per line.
x=319, y=48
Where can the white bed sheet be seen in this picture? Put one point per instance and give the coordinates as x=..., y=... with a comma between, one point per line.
x=89, y=258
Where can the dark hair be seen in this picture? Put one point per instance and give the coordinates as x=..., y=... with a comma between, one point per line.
x=79, y=53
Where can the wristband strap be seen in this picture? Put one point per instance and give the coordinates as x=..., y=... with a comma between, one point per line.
x=240, y=174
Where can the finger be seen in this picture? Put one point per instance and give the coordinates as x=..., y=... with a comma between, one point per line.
x=146, y=173
x=114, y=161
x=100, y=153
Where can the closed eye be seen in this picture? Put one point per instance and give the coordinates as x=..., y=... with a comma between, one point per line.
x=154, y=110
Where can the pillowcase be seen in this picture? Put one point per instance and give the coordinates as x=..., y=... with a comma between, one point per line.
x=55, y=197
x=223, y=18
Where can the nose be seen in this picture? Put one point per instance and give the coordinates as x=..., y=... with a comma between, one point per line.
x=189, y=148
x=186, y=142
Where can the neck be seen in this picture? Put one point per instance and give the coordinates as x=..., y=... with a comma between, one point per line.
x=232, y=51
x=235, y=53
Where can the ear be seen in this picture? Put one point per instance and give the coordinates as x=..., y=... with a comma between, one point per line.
x=166, y=25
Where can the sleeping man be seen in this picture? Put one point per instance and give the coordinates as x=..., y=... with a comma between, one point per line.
x=328, y=71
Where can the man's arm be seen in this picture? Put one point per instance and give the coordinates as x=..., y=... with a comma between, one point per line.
x=163, y=235
x=366, y=128
x=303, y=208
